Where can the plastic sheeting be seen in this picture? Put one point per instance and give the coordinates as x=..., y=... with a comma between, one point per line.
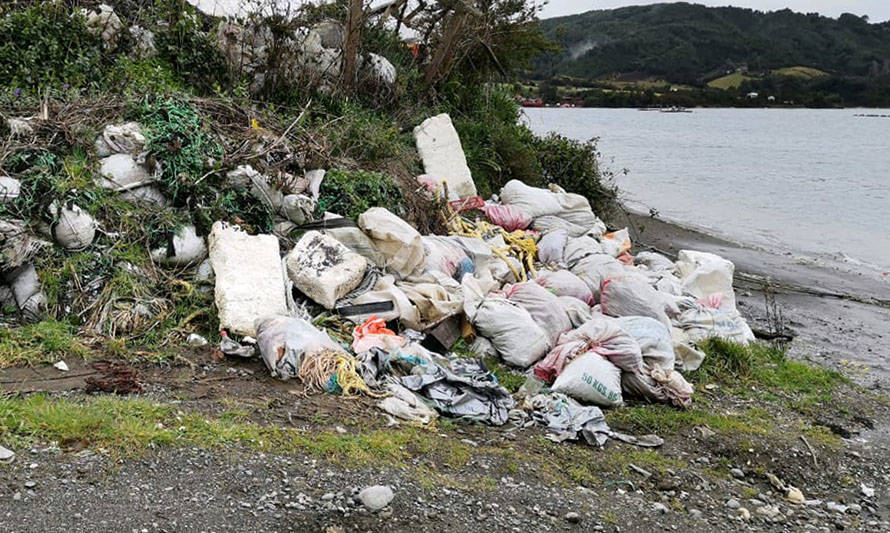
x=465, y=389
x=568, y=420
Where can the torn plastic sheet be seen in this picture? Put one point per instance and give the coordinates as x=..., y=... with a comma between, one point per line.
x=568, y=419
x=467, y=389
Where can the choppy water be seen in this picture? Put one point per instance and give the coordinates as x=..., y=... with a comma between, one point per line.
x=808, y=181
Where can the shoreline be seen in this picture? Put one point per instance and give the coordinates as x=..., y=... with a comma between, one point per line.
x=837, y=313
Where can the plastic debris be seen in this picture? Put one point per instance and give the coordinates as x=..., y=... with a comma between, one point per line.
x=464, y=389
x=285, y=341
x=184, y=248
x=568, y=420
x=74, y=228
x=61, y=366
x=373, y=333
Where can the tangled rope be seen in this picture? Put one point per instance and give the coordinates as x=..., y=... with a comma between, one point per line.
x=333, y=371
x=518, y=243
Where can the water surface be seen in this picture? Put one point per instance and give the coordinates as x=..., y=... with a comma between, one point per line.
x=808, y=181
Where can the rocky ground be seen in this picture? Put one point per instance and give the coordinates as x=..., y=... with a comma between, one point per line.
x=713, y=473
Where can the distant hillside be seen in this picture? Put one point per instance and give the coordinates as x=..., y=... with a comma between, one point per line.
x=694, y=44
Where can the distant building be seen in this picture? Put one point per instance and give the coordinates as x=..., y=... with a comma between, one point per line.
x=771, y=98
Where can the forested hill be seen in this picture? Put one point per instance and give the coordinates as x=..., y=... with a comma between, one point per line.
x=690, y=43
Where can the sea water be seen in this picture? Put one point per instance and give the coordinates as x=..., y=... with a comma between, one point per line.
x=806, y=181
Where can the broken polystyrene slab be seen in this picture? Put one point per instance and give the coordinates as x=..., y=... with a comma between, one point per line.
x=323, y=269
x=443, y=157
x=249, y=277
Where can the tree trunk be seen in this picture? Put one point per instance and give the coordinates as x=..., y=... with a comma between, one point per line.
x=354, y=22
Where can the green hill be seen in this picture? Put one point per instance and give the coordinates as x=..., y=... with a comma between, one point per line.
x=689, y=43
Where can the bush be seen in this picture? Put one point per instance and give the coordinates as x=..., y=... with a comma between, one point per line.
x=351, y=193
x=190, y=50
x=498, y=148
x=46, y=46
x=574, y=166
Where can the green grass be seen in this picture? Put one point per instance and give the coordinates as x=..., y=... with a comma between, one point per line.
x=42, y=342
x=735, y=365
x=730, y=81
x=667, y=420
x=125, y=426
x=508, y=378
x=801, y=72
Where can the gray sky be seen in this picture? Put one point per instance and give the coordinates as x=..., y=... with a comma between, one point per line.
x=877, y=10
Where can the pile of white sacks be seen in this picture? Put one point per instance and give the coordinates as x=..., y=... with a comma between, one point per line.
x=594, y=321
x=590, y=319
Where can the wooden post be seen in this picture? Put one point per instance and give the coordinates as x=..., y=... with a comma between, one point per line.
x=354, y=21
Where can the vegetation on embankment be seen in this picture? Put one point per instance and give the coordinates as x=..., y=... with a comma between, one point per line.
x=202, y=120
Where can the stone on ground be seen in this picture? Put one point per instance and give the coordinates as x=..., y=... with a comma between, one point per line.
x=376, y=497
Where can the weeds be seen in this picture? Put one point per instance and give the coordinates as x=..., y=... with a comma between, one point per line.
x=176, y=136
x=351, y=193
x=42, y=342
x=764, y=365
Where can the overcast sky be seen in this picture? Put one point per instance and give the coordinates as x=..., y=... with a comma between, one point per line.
x=877, y=10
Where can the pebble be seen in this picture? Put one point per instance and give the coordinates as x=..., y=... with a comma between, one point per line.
x=572, y=517
x=744, y=514
x=6, y=455
x=30, y=484
x=733, y=503
x=737, y=473
x=695, y=513
x=836, y=507
x=328, y=496
x=660, y=507
x=769, y=511
x=17, y=496
x=376, y=497
x=794, y=495
x=867, y=491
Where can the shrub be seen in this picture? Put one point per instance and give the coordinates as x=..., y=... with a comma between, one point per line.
x=189, y=49
x=498, y=148
x=351, y=193
x=47, y=45
x=574, y=166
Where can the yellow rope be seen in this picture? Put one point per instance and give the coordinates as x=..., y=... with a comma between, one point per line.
x=518, y=242
x=317, y=368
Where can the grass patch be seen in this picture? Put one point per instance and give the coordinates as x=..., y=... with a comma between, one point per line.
x=125, y=426
x=351, y=193
x=509, y=379
x=667, y=420
x=801, y=72
x=730, y=81
x=736, y=366
x=42, y=342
